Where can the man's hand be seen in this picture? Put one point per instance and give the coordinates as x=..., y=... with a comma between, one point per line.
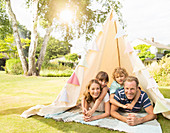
x=132, y=120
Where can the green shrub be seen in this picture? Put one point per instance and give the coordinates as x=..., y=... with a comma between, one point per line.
x=54, y=66
x=13, y=66
x=161, y=71
x=72, y=57
x=55, y=70
x=56, y=73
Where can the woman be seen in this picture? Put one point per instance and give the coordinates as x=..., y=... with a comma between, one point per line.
x=91, y=94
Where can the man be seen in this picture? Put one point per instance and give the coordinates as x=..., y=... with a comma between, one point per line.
x=125, y=96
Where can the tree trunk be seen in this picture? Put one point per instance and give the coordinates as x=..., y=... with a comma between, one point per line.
x=43, y=49
x=17, y=37
x=34, y=39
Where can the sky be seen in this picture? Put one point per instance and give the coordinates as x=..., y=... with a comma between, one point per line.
x=144, y=19
x=147, y=19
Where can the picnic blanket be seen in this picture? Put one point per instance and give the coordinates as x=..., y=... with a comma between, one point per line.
x=109, y=122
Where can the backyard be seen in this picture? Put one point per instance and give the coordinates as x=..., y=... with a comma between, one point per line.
x=18, y=93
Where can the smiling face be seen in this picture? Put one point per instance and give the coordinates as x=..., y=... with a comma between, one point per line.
x=120, y=78
x=103, y=83
x=130, y=89
x=94, y=90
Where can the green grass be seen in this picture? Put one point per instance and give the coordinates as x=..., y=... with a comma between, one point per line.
x=19, y=93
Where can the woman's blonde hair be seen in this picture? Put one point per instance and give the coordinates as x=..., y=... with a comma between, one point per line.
x=119, y=71
x=87, y=95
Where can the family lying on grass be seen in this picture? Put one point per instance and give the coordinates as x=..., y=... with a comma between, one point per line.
x=125, y=95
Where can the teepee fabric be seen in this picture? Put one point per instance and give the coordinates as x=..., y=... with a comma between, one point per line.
x=73, y=79
x=109, y=50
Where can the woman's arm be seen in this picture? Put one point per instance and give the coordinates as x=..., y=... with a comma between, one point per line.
x=84, y=106
x=98, y=101
x=106, y=114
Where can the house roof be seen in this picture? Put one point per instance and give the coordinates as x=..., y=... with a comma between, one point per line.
x=156, y=44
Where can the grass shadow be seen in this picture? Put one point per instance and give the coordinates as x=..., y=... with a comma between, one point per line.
x=16, y=110
x=58, y=125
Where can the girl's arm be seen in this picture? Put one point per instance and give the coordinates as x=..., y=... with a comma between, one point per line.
x=130, y=106
x=116, y=103
x=106, y=114
x=98, y=101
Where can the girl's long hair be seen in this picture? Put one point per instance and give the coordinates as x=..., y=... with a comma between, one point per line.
x=86, y=94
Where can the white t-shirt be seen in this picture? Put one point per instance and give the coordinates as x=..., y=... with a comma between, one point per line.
x=101, y=106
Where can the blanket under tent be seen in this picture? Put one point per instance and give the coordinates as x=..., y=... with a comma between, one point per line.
x=108, y=51
x=75, y=115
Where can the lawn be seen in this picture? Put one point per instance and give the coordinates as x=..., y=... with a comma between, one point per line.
x=19, y=93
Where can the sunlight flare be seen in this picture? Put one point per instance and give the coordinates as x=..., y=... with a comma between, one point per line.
x=66, y=16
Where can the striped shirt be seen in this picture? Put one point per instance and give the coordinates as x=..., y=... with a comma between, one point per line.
x=143, y=101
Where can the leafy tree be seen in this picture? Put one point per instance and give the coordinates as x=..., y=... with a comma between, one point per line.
x=55, y=48
x=73, y=57
x=47, y=12
x=144, y=51
x=5, y=25
x=7, y=46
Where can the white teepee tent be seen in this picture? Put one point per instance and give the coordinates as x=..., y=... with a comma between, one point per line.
x=108, y=51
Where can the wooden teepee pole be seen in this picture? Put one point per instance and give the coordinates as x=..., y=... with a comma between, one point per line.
x=118, y=52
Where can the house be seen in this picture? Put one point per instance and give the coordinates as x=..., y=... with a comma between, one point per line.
x=159, y=50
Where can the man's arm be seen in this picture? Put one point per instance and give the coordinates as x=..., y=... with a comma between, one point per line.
x=98, y=101
x=133, y=120
x=116, y=115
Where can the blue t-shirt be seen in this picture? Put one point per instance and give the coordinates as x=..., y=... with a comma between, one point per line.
x=114, y=86
x=143, y=101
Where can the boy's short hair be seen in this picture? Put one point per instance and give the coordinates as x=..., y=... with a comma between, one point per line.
x=119, y=71
x=132, y=78
x=102, y=76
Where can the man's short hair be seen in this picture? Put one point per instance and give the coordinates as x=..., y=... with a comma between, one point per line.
x=132, y=78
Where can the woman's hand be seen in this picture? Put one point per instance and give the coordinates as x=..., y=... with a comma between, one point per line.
x=84, y=111
x=87, y=118
x=89, y=113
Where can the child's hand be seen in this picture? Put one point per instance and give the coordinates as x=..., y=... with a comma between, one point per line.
x=124, y=106
x=89, y=113
x=129, y=106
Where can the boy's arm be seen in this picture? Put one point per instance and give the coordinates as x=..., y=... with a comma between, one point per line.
x=98, y=101
x=116, y=103
x=130, y=106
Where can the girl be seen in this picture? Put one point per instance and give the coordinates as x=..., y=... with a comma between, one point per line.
x=119, y=75
x=91, y=94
